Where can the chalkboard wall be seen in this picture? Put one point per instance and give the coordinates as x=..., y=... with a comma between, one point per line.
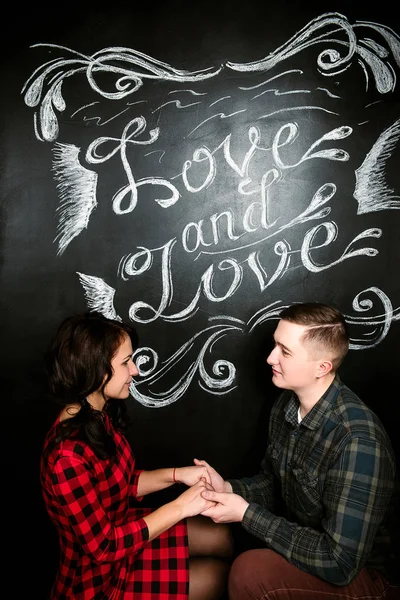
x=193, y=168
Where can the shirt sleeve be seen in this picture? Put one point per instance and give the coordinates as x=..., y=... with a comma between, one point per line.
x=79, y=503
x=260, y=489
x=355, y=497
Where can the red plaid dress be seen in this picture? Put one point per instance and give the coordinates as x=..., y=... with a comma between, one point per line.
x=104, y=547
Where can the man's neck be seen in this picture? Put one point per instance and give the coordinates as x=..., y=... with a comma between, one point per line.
x=309, y=397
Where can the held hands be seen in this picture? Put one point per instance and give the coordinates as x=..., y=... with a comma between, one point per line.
x=192, y=502
x=227, y=507
x=216, y=480
x=191, y=475
x=209, y=494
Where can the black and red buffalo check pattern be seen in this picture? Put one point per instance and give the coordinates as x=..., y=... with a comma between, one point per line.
x=104, y=547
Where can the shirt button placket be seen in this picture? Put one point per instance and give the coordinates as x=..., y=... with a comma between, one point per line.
x=293, y=439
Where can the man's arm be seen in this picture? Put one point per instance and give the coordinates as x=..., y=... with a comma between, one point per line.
x=260, y=489
x=264, y=488
x=357, y=490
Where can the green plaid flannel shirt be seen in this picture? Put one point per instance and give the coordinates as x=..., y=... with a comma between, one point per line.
x=324, y=487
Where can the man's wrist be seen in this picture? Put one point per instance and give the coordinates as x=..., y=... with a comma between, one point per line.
x=227, y=486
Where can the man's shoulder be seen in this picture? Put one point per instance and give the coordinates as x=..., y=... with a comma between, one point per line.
x=356, y=416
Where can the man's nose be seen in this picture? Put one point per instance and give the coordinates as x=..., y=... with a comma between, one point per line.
x=273, y=357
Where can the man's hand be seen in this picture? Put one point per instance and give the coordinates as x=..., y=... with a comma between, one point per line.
x=216, y=480
x=229, y=507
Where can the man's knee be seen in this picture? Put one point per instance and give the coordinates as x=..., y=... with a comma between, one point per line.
x=254, y=572
x=242, y=581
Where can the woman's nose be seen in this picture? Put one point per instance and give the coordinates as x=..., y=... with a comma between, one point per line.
x=134, y=370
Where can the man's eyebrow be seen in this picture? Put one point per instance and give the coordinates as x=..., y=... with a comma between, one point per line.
x=282, y=346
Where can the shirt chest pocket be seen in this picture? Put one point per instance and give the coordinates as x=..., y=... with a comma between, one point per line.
x=305, y=493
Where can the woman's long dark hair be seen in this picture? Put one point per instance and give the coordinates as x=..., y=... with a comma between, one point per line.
x=78, y=363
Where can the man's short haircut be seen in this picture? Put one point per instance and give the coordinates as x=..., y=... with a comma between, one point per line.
x=327, y=329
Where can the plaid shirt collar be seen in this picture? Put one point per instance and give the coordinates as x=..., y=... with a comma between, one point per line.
x=320, y=412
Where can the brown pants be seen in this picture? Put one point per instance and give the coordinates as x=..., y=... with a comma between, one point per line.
x=263, y=574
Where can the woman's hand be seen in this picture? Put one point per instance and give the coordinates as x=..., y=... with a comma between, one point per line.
x=214, y=478
x=191, y=475
x=191, y=502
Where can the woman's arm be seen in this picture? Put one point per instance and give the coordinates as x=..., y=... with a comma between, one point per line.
x=80, y=509
x=188, y=504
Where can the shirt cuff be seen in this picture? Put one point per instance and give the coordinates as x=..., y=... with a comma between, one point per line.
x=237, y=487
x=258, y=521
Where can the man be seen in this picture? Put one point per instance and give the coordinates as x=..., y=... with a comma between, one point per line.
x=326, y=482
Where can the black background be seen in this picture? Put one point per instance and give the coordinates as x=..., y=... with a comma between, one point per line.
x=39, y=288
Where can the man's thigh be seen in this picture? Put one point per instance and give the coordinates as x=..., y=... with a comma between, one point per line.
x=263, y=574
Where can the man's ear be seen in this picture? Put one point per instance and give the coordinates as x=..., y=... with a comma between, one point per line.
x=323, y=368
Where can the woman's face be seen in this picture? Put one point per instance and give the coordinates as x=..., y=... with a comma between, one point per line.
x=123, y=370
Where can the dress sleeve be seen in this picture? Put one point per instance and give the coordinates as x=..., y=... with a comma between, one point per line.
x=134, y=484
x=79, y=504
x=355, y=496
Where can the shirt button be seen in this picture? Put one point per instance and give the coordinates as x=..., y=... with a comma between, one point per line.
x=289, y=464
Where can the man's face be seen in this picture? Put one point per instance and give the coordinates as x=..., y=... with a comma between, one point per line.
x=292, y=366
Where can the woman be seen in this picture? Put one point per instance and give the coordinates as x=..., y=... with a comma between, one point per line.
x=109, y=548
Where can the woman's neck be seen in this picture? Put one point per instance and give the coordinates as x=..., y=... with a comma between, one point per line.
x=96, y=400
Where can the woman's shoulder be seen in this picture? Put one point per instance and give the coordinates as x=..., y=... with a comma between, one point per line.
x=72, y=448
x=57, y=446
